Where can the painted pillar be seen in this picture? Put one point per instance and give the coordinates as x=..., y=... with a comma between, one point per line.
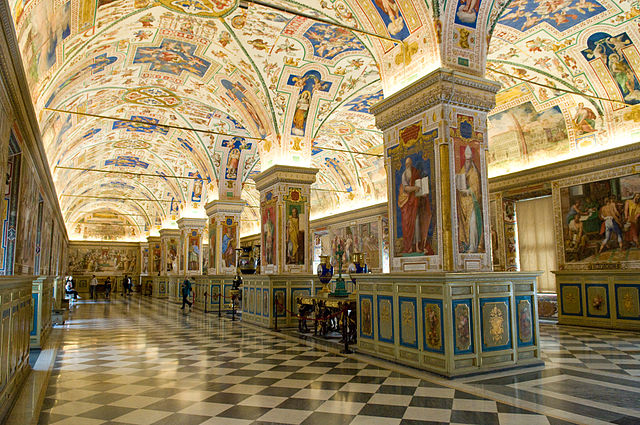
x=191, y=231
x=155, y=255
x=435, y=139
x=170, y=238
x=224, y=235
x=284, y=218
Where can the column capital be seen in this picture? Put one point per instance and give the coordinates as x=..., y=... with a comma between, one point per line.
x=285, y=174
x=169, y=232
x=225, y=206
x=188, y=222
x=442, y=86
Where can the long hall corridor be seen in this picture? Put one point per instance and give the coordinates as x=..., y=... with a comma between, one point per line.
x=136, y=361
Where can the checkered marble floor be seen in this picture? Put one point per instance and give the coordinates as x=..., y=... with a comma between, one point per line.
x=591, y=348
x=142, y=362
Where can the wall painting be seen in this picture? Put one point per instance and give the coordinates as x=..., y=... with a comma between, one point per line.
x=413, y=197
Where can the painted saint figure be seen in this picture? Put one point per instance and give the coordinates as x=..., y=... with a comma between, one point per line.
x=293, y=232
x=269, y=233
x=584, y=120
x=470, y=205
x=301, y=113
x=415, y=210
x=632, y=219
x=232, y=163
x=229, y=247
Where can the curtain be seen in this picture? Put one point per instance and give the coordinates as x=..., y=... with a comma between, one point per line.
x=536, y=240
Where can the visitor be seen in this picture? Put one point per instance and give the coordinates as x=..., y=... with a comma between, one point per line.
x=186, y=290
x=92, y=287
x=126, y=285
x=70, y=290
x=107, y=287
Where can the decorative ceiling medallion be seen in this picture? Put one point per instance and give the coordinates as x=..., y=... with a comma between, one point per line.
x=152, y=96
x=131, y=144
x=203, y=8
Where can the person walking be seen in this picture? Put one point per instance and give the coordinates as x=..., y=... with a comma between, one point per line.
x=126, y=285
x=92, y=287
x=186, y=290
x=107, y=287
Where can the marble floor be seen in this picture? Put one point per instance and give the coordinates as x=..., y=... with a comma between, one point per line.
x=139, y=361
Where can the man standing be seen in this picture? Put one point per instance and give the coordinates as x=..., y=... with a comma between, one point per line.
x=126, y=285
x=92, y=287
x=186, y=290
x=610, y=222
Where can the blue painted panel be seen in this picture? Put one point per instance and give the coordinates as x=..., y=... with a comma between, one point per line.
x=463, y=327
x=523, y=317
x=386, y=301
x=633, y=303
x=433, y=338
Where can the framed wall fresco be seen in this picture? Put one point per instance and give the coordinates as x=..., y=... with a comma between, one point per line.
x=408, y=322
x=413, y=196
x=95, y=259
x=385, y=319
x=172, y=255
x=366, y=316
x=433, y=327
x=598, y=219
x=212, y=244
x=462, y=326
x=495, y=320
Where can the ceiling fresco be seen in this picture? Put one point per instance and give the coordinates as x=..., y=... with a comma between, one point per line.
x=559, y=61
x=176, y=104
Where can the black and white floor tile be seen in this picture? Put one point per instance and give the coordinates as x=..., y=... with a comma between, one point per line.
x=145, y=362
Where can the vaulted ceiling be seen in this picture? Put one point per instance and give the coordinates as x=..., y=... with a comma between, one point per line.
x=177, y=102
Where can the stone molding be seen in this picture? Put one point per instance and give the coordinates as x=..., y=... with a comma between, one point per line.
x=442, y=86
x=285, y=174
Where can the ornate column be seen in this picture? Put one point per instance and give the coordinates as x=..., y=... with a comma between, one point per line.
x=190, y=247
x=155, y=255
x=224, y=235
x=284, y=211
x=435, y=139
x=170, y=241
